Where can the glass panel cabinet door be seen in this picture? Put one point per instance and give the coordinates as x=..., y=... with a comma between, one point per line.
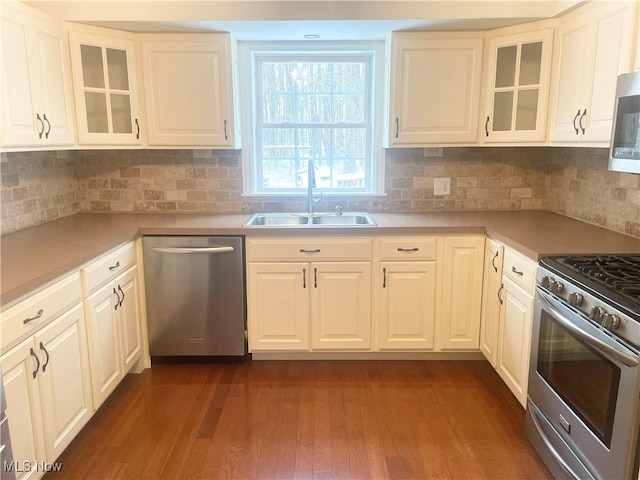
x=519, y=90
x=104, y=80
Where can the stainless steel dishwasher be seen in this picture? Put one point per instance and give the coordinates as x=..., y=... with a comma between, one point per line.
x=195, y=295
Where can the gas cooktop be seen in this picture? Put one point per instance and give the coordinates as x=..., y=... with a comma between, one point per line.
x=614, y=278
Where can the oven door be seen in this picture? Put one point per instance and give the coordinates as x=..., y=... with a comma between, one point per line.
x=583, y=395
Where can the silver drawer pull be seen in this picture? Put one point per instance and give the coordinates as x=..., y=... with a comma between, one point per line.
x=31, y=319
x=302, y=250
x=517, y=272
x=191, y=250
x=113, y=267
x=414, y=249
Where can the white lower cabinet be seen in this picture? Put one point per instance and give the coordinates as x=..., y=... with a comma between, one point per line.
x=461, y=292
x=48, y=390
x=507, y=315
x=514, y=345
x=340, y=306
x=278, y=306
x=114, y=333
x=298, y=305
x=491, y=289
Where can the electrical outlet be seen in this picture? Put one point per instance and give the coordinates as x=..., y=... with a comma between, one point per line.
x=433, y=152
x=202, y=154
x=442, y=186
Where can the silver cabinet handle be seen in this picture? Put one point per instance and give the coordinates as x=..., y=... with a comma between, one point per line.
x=41, y=123
x=414, y=249
x=517, y=272
x=192, y=249
x=584, y=114
x=317, y=250
x=122, y=292
x=35, y=317
x=118, y=298
x=226, y=135
x=499, y=292
x=315, y=278
x=486, y=127
x=33, y=354
x=304, y=278
x=384, y=278
x=46, y=362
x=46, y=134
x=629, y=360
x=493, y=262
x=113, y=267
x=137, y=129
x=397, y=127
x=574, y=122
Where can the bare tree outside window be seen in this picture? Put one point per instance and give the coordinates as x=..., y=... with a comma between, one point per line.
x=313, y=106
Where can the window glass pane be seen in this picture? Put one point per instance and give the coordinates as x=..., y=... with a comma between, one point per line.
x=97, y=121
x=506, y=66
x=502, y=111
x=527, y=109
x=117, y=67
x=121, y=113
x=530, y=59
x=349, y=108
x=338, y=154
x=92, y=68
x=278, y=107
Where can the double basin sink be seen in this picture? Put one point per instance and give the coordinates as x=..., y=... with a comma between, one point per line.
x=304, y=219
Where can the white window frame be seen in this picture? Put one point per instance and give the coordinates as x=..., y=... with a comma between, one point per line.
x=247, y=51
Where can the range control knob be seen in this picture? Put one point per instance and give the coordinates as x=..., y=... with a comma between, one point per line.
x=546, y=281
x=557, y=287
x=575, y=299
x=596, y=314
x=611, y=321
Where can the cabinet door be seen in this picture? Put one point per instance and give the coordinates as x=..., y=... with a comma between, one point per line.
x=56, y=101
x=518, y=87
x=340, y=306
x=608, y=57
x=461, y=293
x=129, y=318
x=23, y=405
x=515, y=339
x=407, y=305
x=436, y=89
x=104, y=80
x=278, y=306
x=492, y=281
x=104, y=345
x=189, y=90
x=65, y=381
x=19, y=102
x=567, y=102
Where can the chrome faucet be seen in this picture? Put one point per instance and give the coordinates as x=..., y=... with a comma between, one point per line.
x=311, y=184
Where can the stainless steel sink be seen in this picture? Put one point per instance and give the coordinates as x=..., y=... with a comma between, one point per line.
x=302, y=219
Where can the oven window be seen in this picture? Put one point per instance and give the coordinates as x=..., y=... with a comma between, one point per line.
x=584, y=379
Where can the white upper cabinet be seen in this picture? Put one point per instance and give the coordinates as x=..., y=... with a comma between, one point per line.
x=593, y=46
x=105, y=85
x=37, y=100
x=189, y=89
x=435, y=89
x=517, y=87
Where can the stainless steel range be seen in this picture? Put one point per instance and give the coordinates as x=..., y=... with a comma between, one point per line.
x=583, y=405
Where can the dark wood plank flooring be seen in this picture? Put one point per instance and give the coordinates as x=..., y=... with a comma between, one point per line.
x=307, y=420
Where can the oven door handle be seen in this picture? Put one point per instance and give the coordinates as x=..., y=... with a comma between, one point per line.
x=605, y=348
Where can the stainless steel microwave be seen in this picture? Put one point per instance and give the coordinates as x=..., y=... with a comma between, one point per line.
x=624, y=153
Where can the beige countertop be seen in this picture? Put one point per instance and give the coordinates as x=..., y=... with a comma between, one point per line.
x=31, y=258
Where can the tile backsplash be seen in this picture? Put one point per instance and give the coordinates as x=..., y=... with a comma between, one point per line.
x=39, y=186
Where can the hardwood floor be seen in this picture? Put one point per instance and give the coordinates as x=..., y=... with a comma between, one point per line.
x=307, y=420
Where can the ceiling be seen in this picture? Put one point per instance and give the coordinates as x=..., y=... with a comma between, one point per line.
x=292, y=19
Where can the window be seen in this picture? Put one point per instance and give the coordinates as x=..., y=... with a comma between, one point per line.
x=311, y=107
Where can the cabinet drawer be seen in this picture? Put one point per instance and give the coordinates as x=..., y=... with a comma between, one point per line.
x=408, y=248
x=520, y=269
x=309, y=249
x=108, y=267
x=29, y=315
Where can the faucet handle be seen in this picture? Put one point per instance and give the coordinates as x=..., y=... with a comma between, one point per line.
x=338, y=210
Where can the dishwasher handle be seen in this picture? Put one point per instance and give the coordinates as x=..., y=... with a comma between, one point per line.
x=223, y=249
